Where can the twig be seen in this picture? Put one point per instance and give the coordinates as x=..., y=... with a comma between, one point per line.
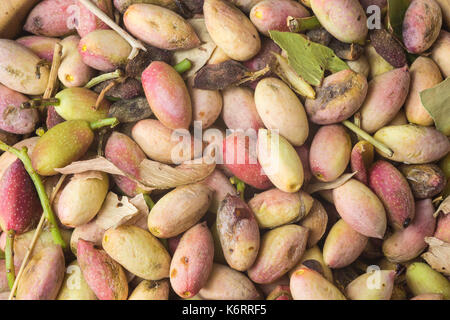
x=36, y=235
x=135, y=44
x=104, y=77
x=112, y=122
x=9, y=258
x=102, y=94
x=357, y=121
x=51, y=84
x=377, y=144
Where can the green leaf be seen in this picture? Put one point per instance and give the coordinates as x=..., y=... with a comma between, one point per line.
x=436, y=101
x=395, y=16
x=307, y=58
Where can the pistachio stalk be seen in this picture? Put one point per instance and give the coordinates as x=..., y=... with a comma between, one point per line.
x=40, y=131
x=40, y=102
x=48, y=211
x=103, y=77
x=377, y=144
x=135, y=44
x=183, y=66
x=36, y=235
x=302, y=24
x=9, y=258
x=149, y=201
x=357, y=121
x=240, y=185
x=108, y=122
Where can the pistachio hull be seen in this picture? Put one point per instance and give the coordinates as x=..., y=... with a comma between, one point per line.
x=345, y=20
x=377, y=285
x=339, y=97
x=425, y=74
x=280, y=250
x=137, y=251
x=413, y=144
x=231, y=30
x=421, y=279
x=81, y=199
x=360, y=208
x=179, y=210
x=407, y=244
x=330, y=152
x=279, y=161
x=18, y=69
x=238, y=233
x=279, y=108
x=42, y=276
x=160, y=27
x=343, y=245
x=74, y=287
x=103, y=275
x=192, y=261
x=151, y=290
x=421, y=25
x=385, y=96
x=275, y=208
x=393, y=190
x=225, y=283
x=307, y=284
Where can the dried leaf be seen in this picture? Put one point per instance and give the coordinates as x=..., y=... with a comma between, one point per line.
x=314, y=187
x=99, y=164
x=307, y=58
x=199, y=55
x=92, y=174
x=140, y=220
x=436, y=101
x=161, y=176
x=444, y=207
x=220, y=75
x=115, y=212
x=395, y=16
x=153, y=174
x=438, y=255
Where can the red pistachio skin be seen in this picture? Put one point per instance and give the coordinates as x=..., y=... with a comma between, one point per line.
x=103, y=275
x=20, y=207
x=247, y=169
x=192, y=261
x=167, y=95
x=393, y=190
x=126, y=155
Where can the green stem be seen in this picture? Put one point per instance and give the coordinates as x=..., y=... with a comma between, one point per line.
x=45, y=203
x=377, y=144
x=303, y=24
x=240, y=186
x=149, y=201
x=112, y=122
x=40, y=102
x=104, y=77
x=9, y=258
x=183, y=66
